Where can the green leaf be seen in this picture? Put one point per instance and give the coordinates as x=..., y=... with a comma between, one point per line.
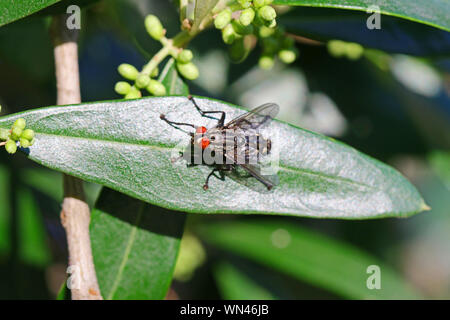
x=134, y=245
x=50, y=183
x=139, y=262
x=236, y=285
x=11, y=10
x=203, y=10
x=307, y=256
x=396, y=35
x=31, y=242
x=430, y=12
x=5, y=212
x=64, y=292
x=440, y=162
x=124, y=145
x=33, y=247
x=46, y=181
x=172, y=81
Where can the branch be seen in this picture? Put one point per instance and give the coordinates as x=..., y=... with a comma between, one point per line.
x=75, y=214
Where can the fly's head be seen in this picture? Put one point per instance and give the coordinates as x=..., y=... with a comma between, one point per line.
x=205, y=138
x=200, y=138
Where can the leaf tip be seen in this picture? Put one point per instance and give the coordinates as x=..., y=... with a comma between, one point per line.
x=425, y=207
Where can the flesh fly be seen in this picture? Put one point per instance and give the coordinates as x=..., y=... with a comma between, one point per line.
x=237, y=143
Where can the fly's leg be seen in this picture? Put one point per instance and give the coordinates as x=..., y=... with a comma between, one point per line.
x=221, y=121
x=176, y=124
x=221, y=171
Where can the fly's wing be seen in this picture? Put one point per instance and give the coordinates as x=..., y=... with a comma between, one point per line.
x=268, y=180
x=254, y=170
x=251, y=121
x=256, y=118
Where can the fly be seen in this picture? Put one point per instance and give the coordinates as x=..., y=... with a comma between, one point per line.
x=236, y=143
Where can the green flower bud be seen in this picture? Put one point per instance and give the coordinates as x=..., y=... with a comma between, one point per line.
x=142, y=81
x=272, y=24
x=188, y=70
x=154, y=27
x=259, y=3
x=223, y=18
x=265, y=32
x=122, y=87
x=267, y=2
x=20, y=123
x=287, y=56
x=336, y=48
x=16, y=132
x=128, y=71
x=154, y=73
x=245, y=3
x=287, y=42
x=354, y=51
x=270, y=44
x=247, y=16
x=228, y=34
x=266, y=62
x=11, y=146
x=133, y=94
x=240, y=29
x=156, y=88
x=240, y=49
x=32, y=142
x=27, y=134
x=24, y=143
x=185, y=56
x=267, y=13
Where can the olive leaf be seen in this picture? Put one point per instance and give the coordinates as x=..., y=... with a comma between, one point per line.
x=135, y=246
x=126, y=146
x=433, y=13
x=203, y=9
x=303, y=255
x=11, y=10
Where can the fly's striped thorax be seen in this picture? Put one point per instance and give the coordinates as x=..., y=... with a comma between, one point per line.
x=243, y=147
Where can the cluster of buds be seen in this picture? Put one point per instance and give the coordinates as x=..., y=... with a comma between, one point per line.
x=185, y=65
x=246, y=19
x=17, y=135
x=146, y=79
x=339, y=49
x=276, y=44
x=141, y=81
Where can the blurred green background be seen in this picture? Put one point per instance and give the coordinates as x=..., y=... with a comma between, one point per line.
x=393, y=107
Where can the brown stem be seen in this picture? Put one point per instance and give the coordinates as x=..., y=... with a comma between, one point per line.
x=75, y=214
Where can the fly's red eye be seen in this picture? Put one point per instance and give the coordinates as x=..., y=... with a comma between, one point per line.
x=205, y=143
x=200, y=130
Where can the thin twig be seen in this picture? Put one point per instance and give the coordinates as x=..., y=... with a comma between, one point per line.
x=304, y=40
x=75, y=214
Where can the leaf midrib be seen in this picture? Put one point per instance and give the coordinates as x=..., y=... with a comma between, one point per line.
x=164, y=148
x=126, y=254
